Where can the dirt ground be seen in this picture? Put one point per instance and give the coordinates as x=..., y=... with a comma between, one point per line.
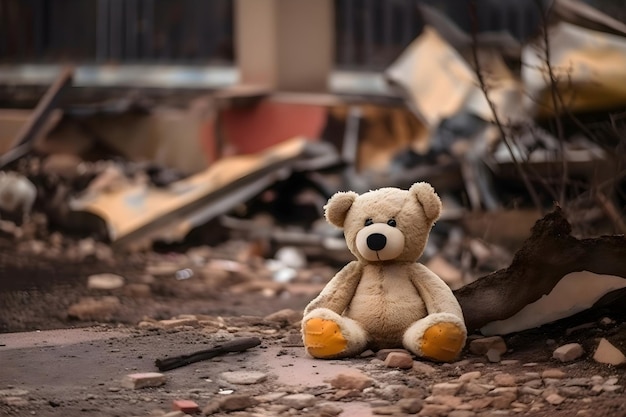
x=77, y=371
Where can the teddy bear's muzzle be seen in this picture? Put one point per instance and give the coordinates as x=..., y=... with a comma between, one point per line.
x=380, y=242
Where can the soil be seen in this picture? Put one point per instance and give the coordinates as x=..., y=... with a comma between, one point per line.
x=76, y=369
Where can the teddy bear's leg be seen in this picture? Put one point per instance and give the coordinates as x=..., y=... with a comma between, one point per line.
x=439, y=336
x=328, y=335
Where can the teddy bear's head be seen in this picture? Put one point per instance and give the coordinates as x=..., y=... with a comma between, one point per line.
x=388, y=224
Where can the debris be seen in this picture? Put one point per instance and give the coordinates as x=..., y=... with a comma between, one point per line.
x=492, y=302
x=291, y=257
x=235, y=345
x=352, y=379
x=410, y=405
x=173, y=323
x=493, y=355
x=607, y=353
x=228, y=403
x=383, y=353
x=446, y=388
x=138, y=211
x=186, y=406
x=423, y=368
x=553, y=373
x=482, y=345
x=105, y=282
x=143, y=380
x=400, y=360
x=298, y=401
x=17, y=194
x=243, y=377
x=554, y=399
x=568, y=353
x=96, y=309
x=39, y=120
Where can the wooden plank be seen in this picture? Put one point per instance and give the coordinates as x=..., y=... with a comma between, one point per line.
x=24, y=140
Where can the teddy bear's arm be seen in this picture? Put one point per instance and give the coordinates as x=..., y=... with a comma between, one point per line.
x=437, y=295
x=338, y=293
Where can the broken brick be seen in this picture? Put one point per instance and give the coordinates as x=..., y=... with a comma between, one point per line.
x=400, y=360
x=143, y=380
x=351, y=379
x=186, y=406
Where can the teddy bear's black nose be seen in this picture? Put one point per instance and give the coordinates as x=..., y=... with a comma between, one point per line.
x=376, y=241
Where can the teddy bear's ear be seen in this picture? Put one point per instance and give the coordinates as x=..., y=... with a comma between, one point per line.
x=337, y=207
x=428, y=198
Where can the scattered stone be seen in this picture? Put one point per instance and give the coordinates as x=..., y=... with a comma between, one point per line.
x=607, y=353
x=578, y=382
x=554, y=399
x=270, y=397
x=493, y=355
x=186, y=406
x=351, y=379
x=173, y=323
x=504, y=380
x=400, y=360
x=235, y=402
x=509, y=362
x=89, y=308
x=504, y=390
x=329, y=410
x=502, y=402
x=383, y=353
x=480, y=403
x=176, y=413
x=553, y=373
x=606, y=321
x=386, y=410
x=410, y=405
x=611, y=388
x=423, y=368
x=533, y=383
x=434, y=410
x=243, y=377
x=15, y=401
x=568, y=353
x=468, y=376
x=137, y=290
x=473, y=388
x=448, y=400
x=105, y=282
x=530, y=364
x=298, y=401
x=483, y=345
x=285, y=317
x=530, y=390
x=572, y=392
x=367, y=354
x=13, y=392
x=447, y=388
x=143, y=380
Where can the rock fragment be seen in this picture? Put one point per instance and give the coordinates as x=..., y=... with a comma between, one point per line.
x=88, y=308
x=400, y=360
x=351, y=379
x=482, y=345
x=568, y=353
x=243, y=377
x=298, y=401
x=447, y=388
x=607, y=353
x=105, y=282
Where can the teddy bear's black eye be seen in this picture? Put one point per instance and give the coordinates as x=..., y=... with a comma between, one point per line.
x=369, y=222
x=391, y=222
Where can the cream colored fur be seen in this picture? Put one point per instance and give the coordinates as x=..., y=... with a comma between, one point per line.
x=390, y=303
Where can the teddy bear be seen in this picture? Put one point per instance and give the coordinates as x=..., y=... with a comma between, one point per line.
x=385, y=298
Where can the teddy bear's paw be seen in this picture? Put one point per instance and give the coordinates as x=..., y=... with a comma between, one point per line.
x=443, y=342
x=323, y=338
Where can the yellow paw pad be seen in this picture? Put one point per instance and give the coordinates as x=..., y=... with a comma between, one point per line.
x=323, y=338
x=443, y=342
